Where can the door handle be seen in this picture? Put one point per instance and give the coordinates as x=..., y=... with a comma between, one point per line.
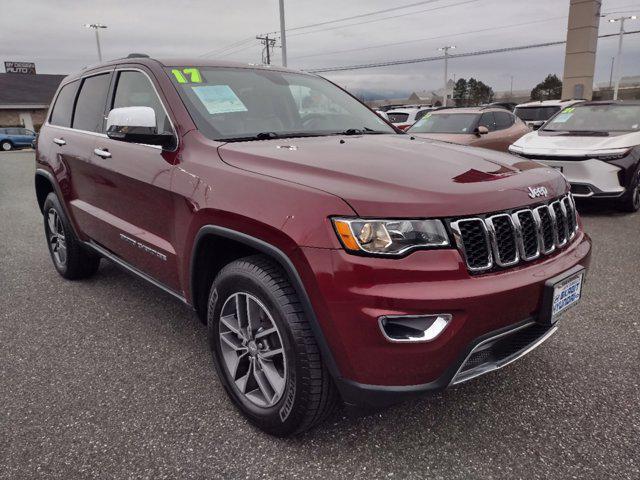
x=59, y=141
x=102, y=153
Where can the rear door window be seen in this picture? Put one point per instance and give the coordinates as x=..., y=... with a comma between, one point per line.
x=63, y=108
x=89, y=111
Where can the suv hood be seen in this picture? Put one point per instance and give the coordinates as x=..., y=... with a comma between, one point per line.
x=544, y=144
x=394, y=176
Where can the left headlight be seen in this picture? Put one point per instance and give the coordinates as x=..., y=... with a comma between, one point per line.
x=389, y=237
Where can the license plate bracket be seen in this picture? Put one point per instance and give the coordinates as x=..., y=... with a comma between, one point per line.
x=561, y=293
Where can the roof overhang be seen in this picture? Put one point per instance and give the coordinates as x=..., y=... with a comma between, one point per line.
x=23, y=106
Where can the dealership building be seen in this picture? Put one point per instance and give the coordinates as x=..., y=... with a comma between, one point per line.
x=25, y=98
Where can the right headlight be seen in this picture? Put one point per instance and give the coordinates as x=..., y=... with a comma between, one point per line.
x=389, y=237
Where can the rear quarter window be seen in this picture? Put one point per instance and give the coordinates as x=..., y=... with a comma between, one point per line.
x=503, y=120
x=63, y=108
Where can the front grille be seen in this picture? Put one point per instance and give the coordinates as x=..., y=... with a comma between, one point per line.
x=508, y=238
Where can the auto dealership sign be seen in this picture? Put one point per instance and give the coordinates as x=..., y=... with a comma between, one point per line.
x=20, y=67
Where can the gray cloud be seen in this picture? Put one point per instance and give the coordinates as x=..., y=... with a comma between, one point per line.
x=50, y=33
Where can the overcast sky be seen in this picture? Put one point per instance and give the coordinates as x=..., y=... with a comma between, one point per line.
x=50, y=33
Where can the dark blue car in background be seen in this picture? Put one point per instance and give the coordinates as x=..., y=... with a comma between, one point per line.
x=15, y=137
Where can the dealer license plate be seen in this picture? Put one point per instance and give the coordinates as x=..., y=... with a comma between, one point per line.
x=566, y=294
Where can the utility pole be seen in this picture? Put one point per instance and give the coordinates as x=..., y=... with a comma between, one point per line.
x=446, y=49
x=268, y=43
x=613, y=61
x=96, y=27
x=283, y=35
x=619, y=56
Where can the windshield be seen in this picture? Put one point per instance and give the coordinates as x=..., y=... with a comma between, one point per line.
x=597, y=118
x=239, y=103
x=531, y=114
x=446, y=123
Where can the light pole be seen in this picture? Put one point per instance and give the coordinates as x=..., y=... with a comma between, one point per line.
x=619, y=57
x=283, y=35
x=96, y=27
x=446, y=49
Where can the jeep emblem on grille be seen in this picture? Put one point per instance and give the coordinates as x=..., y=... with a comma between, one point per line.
x=535, y=192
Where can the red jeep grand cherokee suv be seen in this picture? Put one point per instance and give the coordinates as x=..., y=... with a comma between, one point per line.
x=332, y=257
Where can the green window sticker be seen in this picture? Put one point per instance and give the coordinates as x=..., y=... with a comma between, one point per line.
x=568, y=110
x=219, y=99
x=179, y=76
x=187, y=75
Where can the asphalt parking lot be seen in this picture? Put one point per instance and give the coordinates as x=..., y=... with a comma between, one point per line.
x=110, y=378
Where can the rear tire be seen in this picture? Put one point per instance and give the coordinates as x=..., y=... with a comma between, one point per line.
x=631, y=201
x=69, y=256
x=281, y=393
x=6, y=146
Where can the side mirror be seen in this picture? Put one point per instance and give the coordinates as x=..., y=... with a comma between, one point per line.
x=482, y=130
x=137, y=125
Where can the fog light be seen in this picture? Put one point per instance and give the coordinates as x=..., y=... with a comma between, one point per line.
x=413, y=328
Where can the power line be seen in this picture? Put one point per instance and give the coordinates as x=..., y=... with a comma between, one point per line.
x=429, y=38
x=230, y=46
x=238, y=50
x=457, y=55
x=384, y=18
x=362, y=15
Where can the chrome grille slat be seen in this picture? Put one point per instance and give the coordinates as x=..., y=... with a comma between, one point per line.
x=471, y=235
x=509, y=238
x=502, y=235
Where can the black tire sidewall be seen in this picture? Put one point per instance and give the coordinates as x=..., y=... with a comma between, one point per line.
x=627, y=203
x=234, y=280
x=52, y=202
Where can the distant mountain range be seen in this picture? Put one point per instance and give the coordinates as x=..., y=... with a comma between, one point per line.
x=382, y=94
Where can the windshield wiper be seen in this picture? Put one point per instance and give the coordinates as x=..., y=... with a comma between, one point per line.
x=270, y=136
x=581, y=133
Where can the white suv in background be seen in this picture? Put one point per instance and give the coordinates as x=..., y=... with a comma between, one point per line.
x=403, y=118
x=596, y=145
x=534, y=114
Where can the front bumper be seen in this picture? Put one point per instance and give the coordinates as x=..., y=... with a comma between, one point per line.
x=589, y=178
x=351, y=293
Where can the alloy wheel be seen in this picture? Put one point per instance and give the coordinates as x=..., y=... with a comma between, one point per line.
x=57, y=239
x=252, y=350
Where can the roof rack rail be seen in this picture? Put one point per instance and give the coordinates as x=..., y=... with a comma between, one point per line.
x=138, y=55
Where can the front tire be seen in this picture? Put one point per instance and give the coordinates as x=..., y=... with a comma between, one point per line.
x=264, y=350
x=6, y=146
x=631, y=201
x=70, y=258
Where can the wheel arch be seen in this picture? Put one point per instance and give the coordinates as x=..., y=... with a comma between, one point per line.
x=215, y=246
x=44, y=186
